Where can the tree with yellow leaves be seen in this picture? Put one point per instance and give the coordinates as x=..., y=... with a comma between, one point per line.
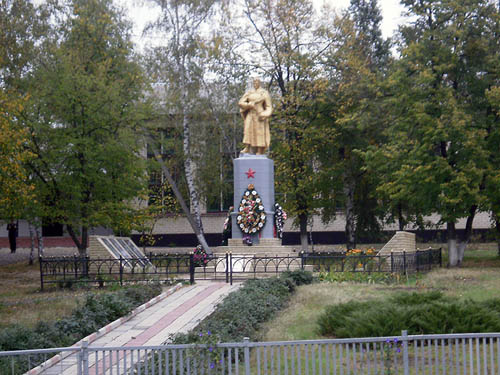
x=16, y=189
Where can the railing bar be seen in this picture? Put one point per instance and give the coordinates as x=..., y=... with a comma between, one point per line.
x=174, y=362
x=367, y=352
x=471, y=358
x=464, y=356
x=285, y=358
x=457, y=359
x=348, y=357
x=125, y=361
x=160, y=370
x=354, y=359
x=278, y=349
x=485, y=357
x=452, y=347
x=443, y=357
x=299, y=364
x=492, y=361
x=139, y=360
x=498, y=356
x=478, y=357
x=265, y=360
x=292, y=355
x=327, y=357
x=320, y=358
x=306, y=359
x=334, y=356
x=236, y=357
x=341, y=362
x=258, y=360
x=271, y=349
x=375, y=357
x=313, y=358
x=429, y=359
x=415, y=355
x=181, y=362
x=146, y=362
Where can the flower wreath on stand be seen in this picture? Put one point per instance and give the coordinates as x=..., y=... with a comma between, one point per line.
x=251, y=216
x=200, y=256
x=279, y=219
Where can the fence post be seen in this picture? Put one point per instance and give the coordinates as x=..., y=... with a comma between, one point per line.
x=246, y=340
x=405, y=352
x=121, y=270
x=417, y=260
x=429, y=259
x=302, y=260
x=85, y=357
x=227, y=267
x=440, y=257
x=191, y=268
x=392, y=262
x=404, y=262
x=230, y=268
x=40, y=261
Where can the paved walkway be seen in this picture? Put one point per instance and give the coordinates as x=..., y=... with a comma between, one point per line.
x=179, y=312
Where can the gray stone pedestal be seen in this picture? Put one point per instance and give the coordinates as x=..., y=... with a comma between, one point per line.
x=259, y=171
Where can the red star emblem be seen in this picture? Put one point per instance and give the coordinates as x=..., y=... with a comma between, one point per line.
x=250, y=173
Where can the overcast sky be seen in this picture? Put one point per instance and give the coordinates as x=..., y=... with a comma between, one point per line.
x=141, y=12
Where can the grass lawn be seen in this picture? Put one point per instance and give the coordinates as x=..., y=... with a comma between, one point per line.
x=22, y=302
x=478, y=279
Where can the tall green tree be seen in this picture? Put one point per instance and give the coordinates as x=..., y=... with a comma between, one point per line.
x=82, y=116
x=357, y=66
x=441, y=116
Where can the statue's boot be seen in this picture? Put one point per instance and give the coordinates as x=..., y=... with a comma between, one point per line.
x=245, y=150
x=261, y=150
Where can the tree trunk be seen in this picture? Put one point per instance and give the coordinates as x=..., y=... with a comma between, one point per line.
x=81, y=243
x=303, y=232
x=401, y=219
x=350, y=216
x=467, y=234
x=497, y=226
x=190, y=170
x=452, y=245
x=39, y=238
x=32, y=239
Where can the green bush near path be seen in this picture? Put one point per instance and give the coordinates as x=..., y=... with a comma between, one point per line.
x=243, y=311
x=418, y=313
x=95, y=312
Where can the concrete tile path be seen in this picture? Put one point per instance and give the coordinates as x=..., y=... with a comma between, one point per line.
x=179, y=312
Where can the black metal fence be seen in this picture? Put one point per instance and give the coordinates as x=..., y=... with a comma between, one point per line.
x=67, y=271
x=394, y=262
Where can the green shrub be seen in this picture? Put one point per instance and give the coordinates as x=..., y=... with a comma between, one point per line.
x=419, y=313
x=359, y=277
x=242, y=311
x=299, y=277
x=95, y=312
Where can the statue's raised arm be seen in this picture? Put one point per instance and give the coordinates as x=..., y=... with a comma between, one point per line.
x=256, y=109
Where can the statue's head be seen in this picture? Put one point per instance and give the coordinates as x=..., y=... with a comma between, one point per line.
x=256, y=83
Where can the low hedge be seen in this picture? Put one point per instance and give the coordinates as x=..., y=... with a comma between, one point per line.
x=95, y=312
x=243, y=311
x=418, y=313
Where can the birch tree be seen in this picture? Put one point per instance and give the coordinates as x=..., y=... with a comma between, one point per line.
x=178, y=67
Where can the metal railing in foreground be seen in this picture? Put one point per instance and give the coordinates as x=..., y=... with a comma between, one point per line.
x=475, y=353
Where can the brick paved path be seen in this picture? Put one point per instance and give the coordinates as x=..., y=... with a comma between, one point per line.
x=179, y=312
